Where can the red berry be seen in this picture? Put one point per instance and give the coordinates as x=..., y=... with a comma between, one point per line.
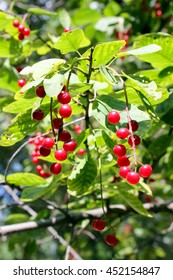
x=136, y=139
x=122, y=133
x=64, y=97
x=26, y=32
x=44, y=152
x=148, y=199
x=60, y=154
x=81, y=152
x=119, y=150
x=38, y=168
x=70, y=146
x=44, y=174
x=16, y=23
x=145, y=170
x=19, y=69
x=159, y=13
x=65, y=110
x=123, y=161
x=98, y=224
x=48, y=143
x=38, y=115
x=113, y=117
x=67, y=29
x=35, y=160
x=124, y=170
x=56, y=123
x=21, y=36
x=77, y=127
x=64, y=136
x=21, y=28
x=111, y=240
x=55, y=168
x=133, y=177
x=157, y=6
x=40, y=92
x=134, y=125
x=21, y=82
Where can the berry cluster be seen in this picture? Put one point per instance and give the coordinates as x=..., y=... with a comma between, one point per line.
x=157, y=9
x=99, y=225
x=120, y=150
x=77, y=128
x=23, y=31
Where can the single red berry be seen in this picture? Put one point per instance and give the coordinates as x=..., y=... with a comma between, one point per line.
x=98, y=225
x=136, y=139
x=115, y=179
x=19, y=69
x=134, y=125
x=123, y=161
x=67, y=29
x=38, y=168
x=60, y=154
x=44, y=174
x=133, y=177
x=21, y=28
x=16, y=23
x=81, y=152
x=55, y=168
x=64, y=97
x=26, y=31
x=70, y=146
x=64, y=136
x=40, y=92
x=65, y=110
x=38, y=115
x=21, y=37
x=159, y=13
x=44, y=152
x=122, y=133
x=124, y=170
x=77, y=127
x=119, y=150
x=113, y=117
x=145, y=170
x=56, y=123
x=48, y=143
x=148, y=199
x=111, y=240
x=157, y=6
x=35, y=160
x=21, y=82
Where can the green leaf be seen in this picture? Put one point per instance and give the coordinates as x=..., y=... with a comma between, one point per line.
x=108, y=75
x=9, y=48
x=39, y=11
x=17, y=218
x=25, y=179
x=133, y=202
x=159, y=145
x=82, y=137
x=71, y=41
x=8, y=79
x=81, y=180
x=144, y=188
x=108, y=141
x=54, y=85
x=19, y=106
x=64, y=18
x=31, y=194
x=152, y=48
x=162, y=58
x=85, y=16
x=78, y=88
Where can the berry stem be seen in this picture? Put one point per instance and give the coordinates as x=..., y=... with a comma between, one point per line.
x=52, y=125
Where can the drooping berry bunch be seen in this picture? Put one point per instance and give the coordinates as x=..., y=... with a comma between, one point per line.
x=99, y=225
x=120, y=150
x=157, y=9
x=23, y=31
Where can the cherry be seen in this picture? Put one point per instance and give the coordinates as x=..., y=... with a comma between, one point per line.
x=77, y=128
x=55, y=168
x=123, y=161
x=19, y=69
x=98, y=224
x=40, y=92
x=16, y=23
x=64, y=97
x=122, y=133
x=70, y=146
x=26, y=31
x=64, y=136
x=38, y=115
x=124, y=170
x=65, y=110
x=159, y=13
x=60, y=154
x=48, y=143
x=67, y=29
x=21, y=36
x=113, y=117
x=136, y=138
x=56, y=123
x=81, y=152
x=21, y=28
x=145, y=170
x=134, y=125
x=119, y=150
x=35, y=160
x=44, y=174
x=38, y=168
x=21, y=82
x=133, y=177
x=148, y=199
x=111, y=240
x=44, y=152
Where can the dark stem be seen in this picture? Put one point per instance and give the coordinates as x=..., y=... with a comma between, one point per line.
x=51, y=119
